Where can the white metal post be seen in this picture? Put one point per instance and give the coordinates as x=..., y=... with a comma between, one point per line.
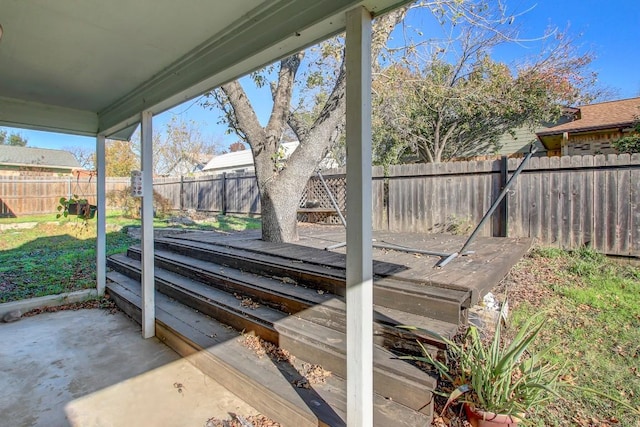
x=101, y=198
x=148, y=280
x=359, y=244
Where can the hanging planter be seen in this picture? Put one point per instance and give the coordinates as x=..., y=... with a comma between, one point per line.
x=72, y=209
x=75, y=206
x=87, y=211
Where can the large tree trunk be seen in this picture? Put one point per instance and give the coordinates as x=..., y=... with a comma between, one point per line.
x=281, y=184
x=279, y=200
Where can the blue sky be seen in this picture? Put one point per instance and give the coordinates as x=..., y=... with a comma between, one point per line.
x=610, y=29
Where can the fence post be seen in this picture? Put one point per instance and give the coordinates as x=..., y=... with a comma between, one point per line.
x=504, y=205
x=181, y=193
x=224, y=193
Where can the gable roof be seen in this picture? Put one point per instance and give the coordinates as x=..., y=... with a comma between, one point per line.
x=42, y=157
x=230, y=160
x=604, y=115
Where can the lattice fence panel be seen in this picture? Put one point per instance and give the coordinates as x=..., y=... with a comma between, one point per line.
x=316, y=197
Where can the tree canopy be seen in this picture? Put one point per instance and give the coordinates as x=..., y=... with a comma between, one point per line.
x=179, y=146
x=13, y=139
x=433, y=100
x=85, y=156
x=120, y=158
x=450, y=98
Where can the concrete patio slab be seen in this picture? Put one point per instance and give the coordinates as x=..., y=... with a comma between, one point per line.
x=91, y=368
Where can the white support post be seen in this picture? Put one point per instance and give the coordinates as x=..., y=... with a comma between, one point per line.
x=101, y=198
x=359, y=234
x=148, y=278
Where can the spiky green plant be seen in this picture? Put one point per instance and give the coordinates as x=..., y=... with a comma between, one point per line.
x=499, y=376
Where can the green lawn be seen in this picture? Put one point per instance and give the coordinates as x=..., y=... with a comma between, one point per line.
x=592, y=306
x=59, y=256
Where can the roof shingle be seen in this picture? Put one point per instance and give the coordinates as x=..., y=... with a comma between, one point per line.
x=604, y=115
x=43, y=157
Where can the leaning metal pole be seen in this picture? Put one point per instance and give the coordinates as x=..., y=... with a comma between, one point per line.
x=493, y=207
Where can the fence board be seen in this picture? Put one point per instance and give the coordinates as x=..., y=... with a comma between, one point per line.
x=564, y=203
x=587, y=206
x=567, y=202
x=634, y=204
x=611, y=225
x=599, y=203
x=623, y=226
x=379, y=209
x=545, y=201
x=533, y=185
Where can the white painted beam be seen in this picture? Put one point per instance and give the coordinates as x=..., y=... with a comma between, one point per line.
x=148, y=277
x=359, y=233
x=101, y=202
x=237, y=52
x=32, y=115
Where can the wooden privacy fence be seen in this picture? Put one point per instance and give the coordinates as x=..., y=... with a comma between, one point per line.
x=27, y=195
x=225, y=193
x=579, y=200
x=561, y=201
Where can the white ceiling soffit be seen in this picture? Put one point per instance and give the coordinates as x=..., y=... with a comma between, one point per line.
x=90, y=66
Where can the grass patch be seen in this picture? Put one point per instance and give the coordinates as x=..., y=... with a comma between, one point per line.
x=60, y=256
x=230, y=223
x=593, y=329
x=29, y=218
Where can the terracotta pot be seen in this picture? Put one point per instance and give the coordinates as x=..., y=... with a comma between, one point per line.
x=478, y=418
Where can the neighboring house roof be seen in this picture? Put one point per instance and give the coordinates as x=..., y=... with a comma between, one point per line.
x=605, y=115
x=230, y=160
x=241, y=159
x=187, y=165
x=37, y=157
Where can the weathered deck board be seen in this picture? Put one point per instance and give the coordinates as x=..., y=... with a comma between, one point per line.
x=264, y=383
x=492, y=259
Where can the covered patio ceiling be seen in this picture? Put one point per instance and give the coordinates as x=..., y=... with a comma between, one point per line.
x=90, y=67
x=99, y=68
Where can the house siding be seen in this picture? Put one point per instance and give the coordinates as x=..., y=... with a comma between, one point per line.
x=520, y=141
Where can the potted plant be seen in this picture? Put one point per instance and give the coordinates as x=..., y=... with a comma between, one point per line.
x=498, y=381
x=75, y=206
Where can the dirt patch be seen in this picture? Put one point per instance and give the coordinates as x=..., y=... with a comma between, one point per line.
x=240, y=421
x=105, y=303
x=527, y=280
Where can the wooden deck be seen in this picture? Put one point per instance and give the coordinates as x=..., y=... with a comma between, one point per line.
x=479, y=272
x=210, y=286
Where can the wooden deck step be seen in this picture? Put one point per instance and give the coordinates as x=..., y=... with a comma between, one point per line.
x=448, y=305
x=265, y=383
x=313, y=342
x=322, y=308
